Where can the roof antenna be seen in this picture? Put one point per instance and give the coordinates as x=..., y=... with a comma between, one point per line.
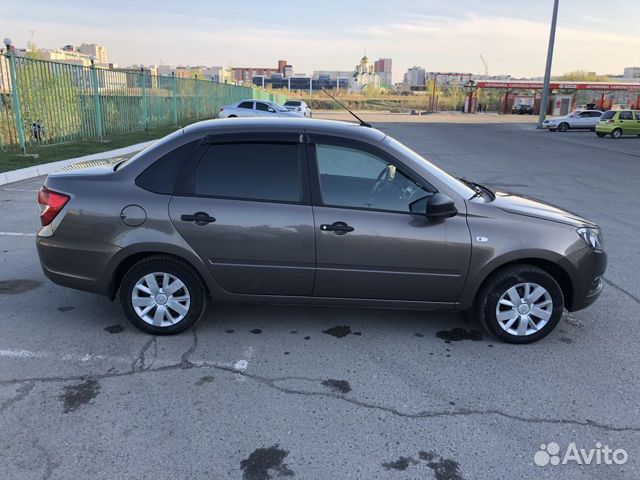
x=362, y=122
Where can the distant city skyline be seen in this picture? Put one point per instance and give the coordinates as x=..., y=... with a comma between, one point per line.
x=437, y=36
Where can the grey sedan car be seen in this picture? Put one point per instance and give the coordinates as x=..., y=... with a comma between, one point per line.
x=310, y=212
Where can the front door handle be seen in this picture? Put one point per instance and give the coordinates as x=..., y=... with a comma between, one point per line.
x=199, y=218
x=339, y=228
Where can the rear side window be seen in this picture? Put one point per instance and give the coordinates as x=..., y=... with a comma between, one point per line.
x=161, y=176
x=638, y=115
x=626, y=115
x=608, y=115
x=596, y=114
x=248, y=105
x=250, y=171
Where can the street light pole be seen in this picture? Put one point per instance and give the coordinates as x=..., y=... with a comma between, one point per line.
x=547, y=71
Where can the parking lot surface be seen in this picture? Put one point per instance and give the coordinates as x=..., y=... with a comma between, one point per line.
x=262, y=391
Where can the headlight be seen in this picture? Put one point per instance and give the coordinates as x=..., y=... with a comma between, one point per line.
x=593, y=237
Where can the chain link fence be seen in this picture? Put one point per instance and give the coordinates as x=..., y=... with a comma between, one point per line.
x=44, y=102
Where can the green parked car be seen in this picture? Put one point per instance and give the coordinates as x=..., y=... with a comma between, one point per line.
x=619, y=122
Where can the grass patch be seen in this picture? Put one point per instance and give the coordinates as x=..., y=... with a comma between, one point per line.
x=51, y=153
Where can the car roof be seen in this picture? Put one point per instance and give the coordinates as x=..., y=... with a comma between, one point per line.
x=293, y=125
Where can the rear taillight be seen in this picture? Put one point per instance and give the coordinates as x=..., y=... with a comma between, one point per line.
x=610, y=122
x=50, y=204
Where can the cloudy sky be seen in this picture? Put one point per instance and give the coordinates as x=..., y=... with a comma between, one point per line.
x=330, y=35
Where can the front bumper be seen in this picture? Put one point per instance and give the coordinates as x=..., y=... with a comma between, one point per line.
x=588, y=283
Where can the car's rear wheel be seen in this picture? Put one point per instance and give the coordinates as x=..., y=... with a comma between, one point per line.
x=520, y=304
x=563, y=127
x=162, y=295
x=617, y=133
x=600, y=134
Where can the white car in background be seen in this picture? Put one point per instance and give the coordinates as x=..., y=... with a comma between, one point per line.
x=298, y=106
x=578, y=119
x=256, y=108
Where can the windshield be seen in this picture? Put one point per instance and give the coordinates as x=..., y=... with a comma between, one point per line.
x=451, y=182
x=607, y=115
x=276, y=107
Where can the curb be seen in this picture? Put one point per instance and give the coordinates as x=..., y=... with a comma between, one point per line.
x=46, y=168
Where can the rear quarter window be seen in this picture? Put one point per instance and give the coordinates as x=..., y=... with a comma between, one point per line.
x=608, y=115
x=161, y=176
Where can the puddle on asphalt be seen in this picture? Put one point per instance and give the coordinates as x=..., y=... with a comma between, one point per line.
x=65, y=308
x=263, y=462
x=12, y=287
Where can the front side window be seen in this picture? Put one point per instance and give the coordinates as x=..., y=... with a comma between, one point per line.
x=251, y=171
x=248, y=105
x=354, y=178
x=638, y=115
x=262, y=106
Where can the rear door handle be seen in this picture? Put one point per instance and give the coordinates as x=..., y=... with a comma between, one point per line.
x=339, y=228
x=199, y=218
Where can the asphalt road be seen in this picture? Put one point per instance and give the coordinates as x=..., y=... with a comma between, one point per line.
x=259, y=391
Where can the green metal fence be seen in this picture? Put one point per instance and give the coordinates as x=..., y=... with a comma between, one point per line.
x=43, y=102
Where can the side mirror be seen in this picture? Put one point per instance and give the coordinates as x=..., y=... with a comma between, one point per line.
x=440, y=205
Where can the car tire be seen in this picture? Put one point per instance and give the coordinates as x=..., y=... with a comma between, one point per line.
x=494, y=297
x=600, y=134
x=169, y=313
x=563, y=127
x=616, y=133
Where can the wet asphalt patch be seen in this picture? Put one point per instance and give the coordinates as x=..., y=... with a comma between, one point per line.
x=338, y=386
x=256, y=331
x=458, y=334
x=443, y=468
x=75, y=396
x=13, y=287
x=263, y=461
x=65, y=308
x=117, y=328
x=338, y=332
x=204, y=380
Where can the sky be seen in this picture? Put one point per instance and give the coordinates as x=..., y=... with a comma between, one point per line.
x=512, y=35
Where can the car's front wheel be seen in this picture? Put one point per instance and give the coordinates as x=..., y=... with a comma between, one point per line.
x=563, y=127
x=520, y=304
x=162, y=295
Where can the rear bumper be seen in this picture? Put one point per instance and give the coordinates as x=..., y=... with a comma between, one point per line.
x=605, y=128
x=76, y=263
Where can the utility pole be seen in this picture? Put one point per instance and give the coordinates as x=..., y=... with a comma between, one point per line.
x=547, y=71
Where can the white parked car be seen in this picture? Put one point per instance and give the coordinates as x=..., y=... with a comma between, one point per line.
x=256, y=108
x=578, y=119
x=298, y=106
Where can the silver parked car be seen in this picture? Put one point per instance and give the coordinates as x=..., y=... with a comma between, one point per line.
x=298, y=106
x=310, y=211
x=578, y=119
x=256, y=108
